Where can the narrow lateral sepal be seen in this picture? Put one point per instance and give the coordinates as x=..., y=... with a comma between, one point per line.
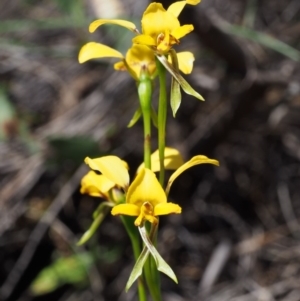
x=175, y=87
x=182, y=82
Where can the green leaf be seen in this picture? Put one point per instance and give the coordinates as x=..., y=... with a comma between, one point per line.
x=182, y=82
x=250, y=13
x=135, y=118
x=73, y=8
x=8, y=121
x=154, y=117
x=263, y=39
x=65, y=270
x=11, y=126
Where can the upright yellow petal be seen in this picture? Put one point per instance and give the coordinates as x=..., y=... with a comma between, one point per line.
x=145, y=188
x=111, y=167
x=94, y=50
x=185, y=61
x=120, y=66
x=96, y=185
x=194, y=161
x=176, y=8
x=173, y=160
x=129, y=25
x=157, y=20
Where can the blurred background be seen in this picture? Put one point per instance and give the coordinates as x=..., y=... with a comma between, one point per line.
x=238, y=237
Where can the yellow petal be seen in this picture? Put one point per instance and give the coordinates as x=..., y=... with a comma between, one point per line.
x=129, y=25
x=145, y=188
x=176, y=8
x=173, y=160
x=144, y=40
x=194, y=161
x=111, y=167
x=168, y=208
x=126, y=209
x=182, y=31
x=193, y=2
x=157, y=20
x=94, y=50
x=140, y=57
x=120, y=66
x=96, y=185
x=185, y=61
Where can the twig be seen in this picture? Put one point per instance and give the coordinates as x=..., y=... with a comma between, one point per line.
x=17, y=189
x=287, y=209
x=215, y=266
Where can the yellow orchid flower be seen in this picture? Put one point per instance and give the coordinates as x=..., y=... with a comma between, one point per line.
x=145, y=199
x=161, y=28
x=111, y=185
x=115, y=170
x=99, y=185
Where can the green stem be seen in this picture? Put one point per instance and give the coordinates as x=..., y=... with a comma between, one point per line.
x=162, y=119
x=135, y=242
x=153, y=267
x=147, y=140
x=151, y=272
x=145, y=95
